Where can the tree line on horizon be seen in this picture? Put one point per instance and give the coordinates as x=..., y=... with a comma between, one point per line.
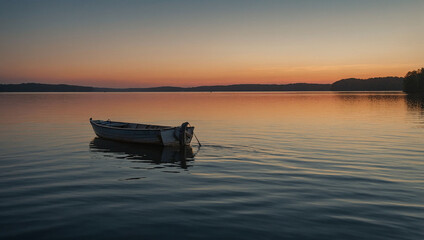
x=413, y=82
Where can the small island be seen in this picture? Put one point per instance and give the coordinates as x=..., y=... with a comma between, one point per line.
x=371, y=84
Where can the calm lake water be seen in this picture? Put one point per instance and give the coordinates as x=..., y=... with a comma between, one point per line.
x=272, y=166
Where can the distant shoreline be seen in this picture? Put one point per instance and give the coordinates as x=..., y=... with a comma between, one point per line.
x=351, y=84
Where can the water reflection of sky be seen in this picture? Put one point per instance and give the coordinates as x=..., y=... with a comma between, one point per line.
x=271, y=165
x=415, y=106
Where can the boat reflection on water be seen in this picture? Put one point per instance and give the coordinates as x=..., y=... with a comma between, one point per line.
x=144, y=153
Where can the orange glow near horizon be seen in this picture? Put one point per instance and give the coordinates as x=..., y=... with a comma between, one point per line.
x=131, y=76
x=201, y=77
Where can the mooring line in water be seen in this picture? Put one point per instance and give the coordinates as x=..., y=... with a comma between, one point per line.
x=196, y=137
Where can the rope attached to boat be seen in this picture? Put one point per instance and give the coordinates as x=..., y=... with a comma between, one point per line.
x=196, y=137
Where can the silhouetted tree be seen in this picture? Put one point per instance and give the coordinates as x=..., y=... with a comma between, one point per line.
x=414, y=81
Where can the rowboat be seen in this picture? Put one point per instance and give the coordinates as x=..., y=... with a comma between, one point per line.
x=143, y=133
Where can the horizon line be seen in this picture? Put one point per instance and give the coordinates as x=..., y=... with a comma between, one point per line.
x=162, y=86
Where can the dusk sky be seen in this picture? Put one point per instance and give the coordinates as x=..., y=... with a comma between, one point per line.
x=193, y=43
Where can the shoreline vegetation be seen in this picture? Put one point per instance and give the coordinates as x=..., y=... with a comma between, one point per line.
x=351, y=84
x=413, y=82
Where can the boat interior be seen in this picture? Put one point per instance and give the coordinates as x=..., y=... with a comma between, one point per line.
x=130, y=125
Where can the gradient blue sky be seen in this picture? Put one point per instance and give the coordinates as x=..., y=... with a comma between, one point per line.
x=191, y=43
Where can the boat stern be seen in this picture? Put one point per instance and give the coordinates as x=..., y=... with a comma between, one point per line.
x=171, y=137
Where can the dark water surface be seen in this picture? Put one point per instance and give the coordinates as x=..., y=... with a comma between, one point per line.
x=273, y=166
